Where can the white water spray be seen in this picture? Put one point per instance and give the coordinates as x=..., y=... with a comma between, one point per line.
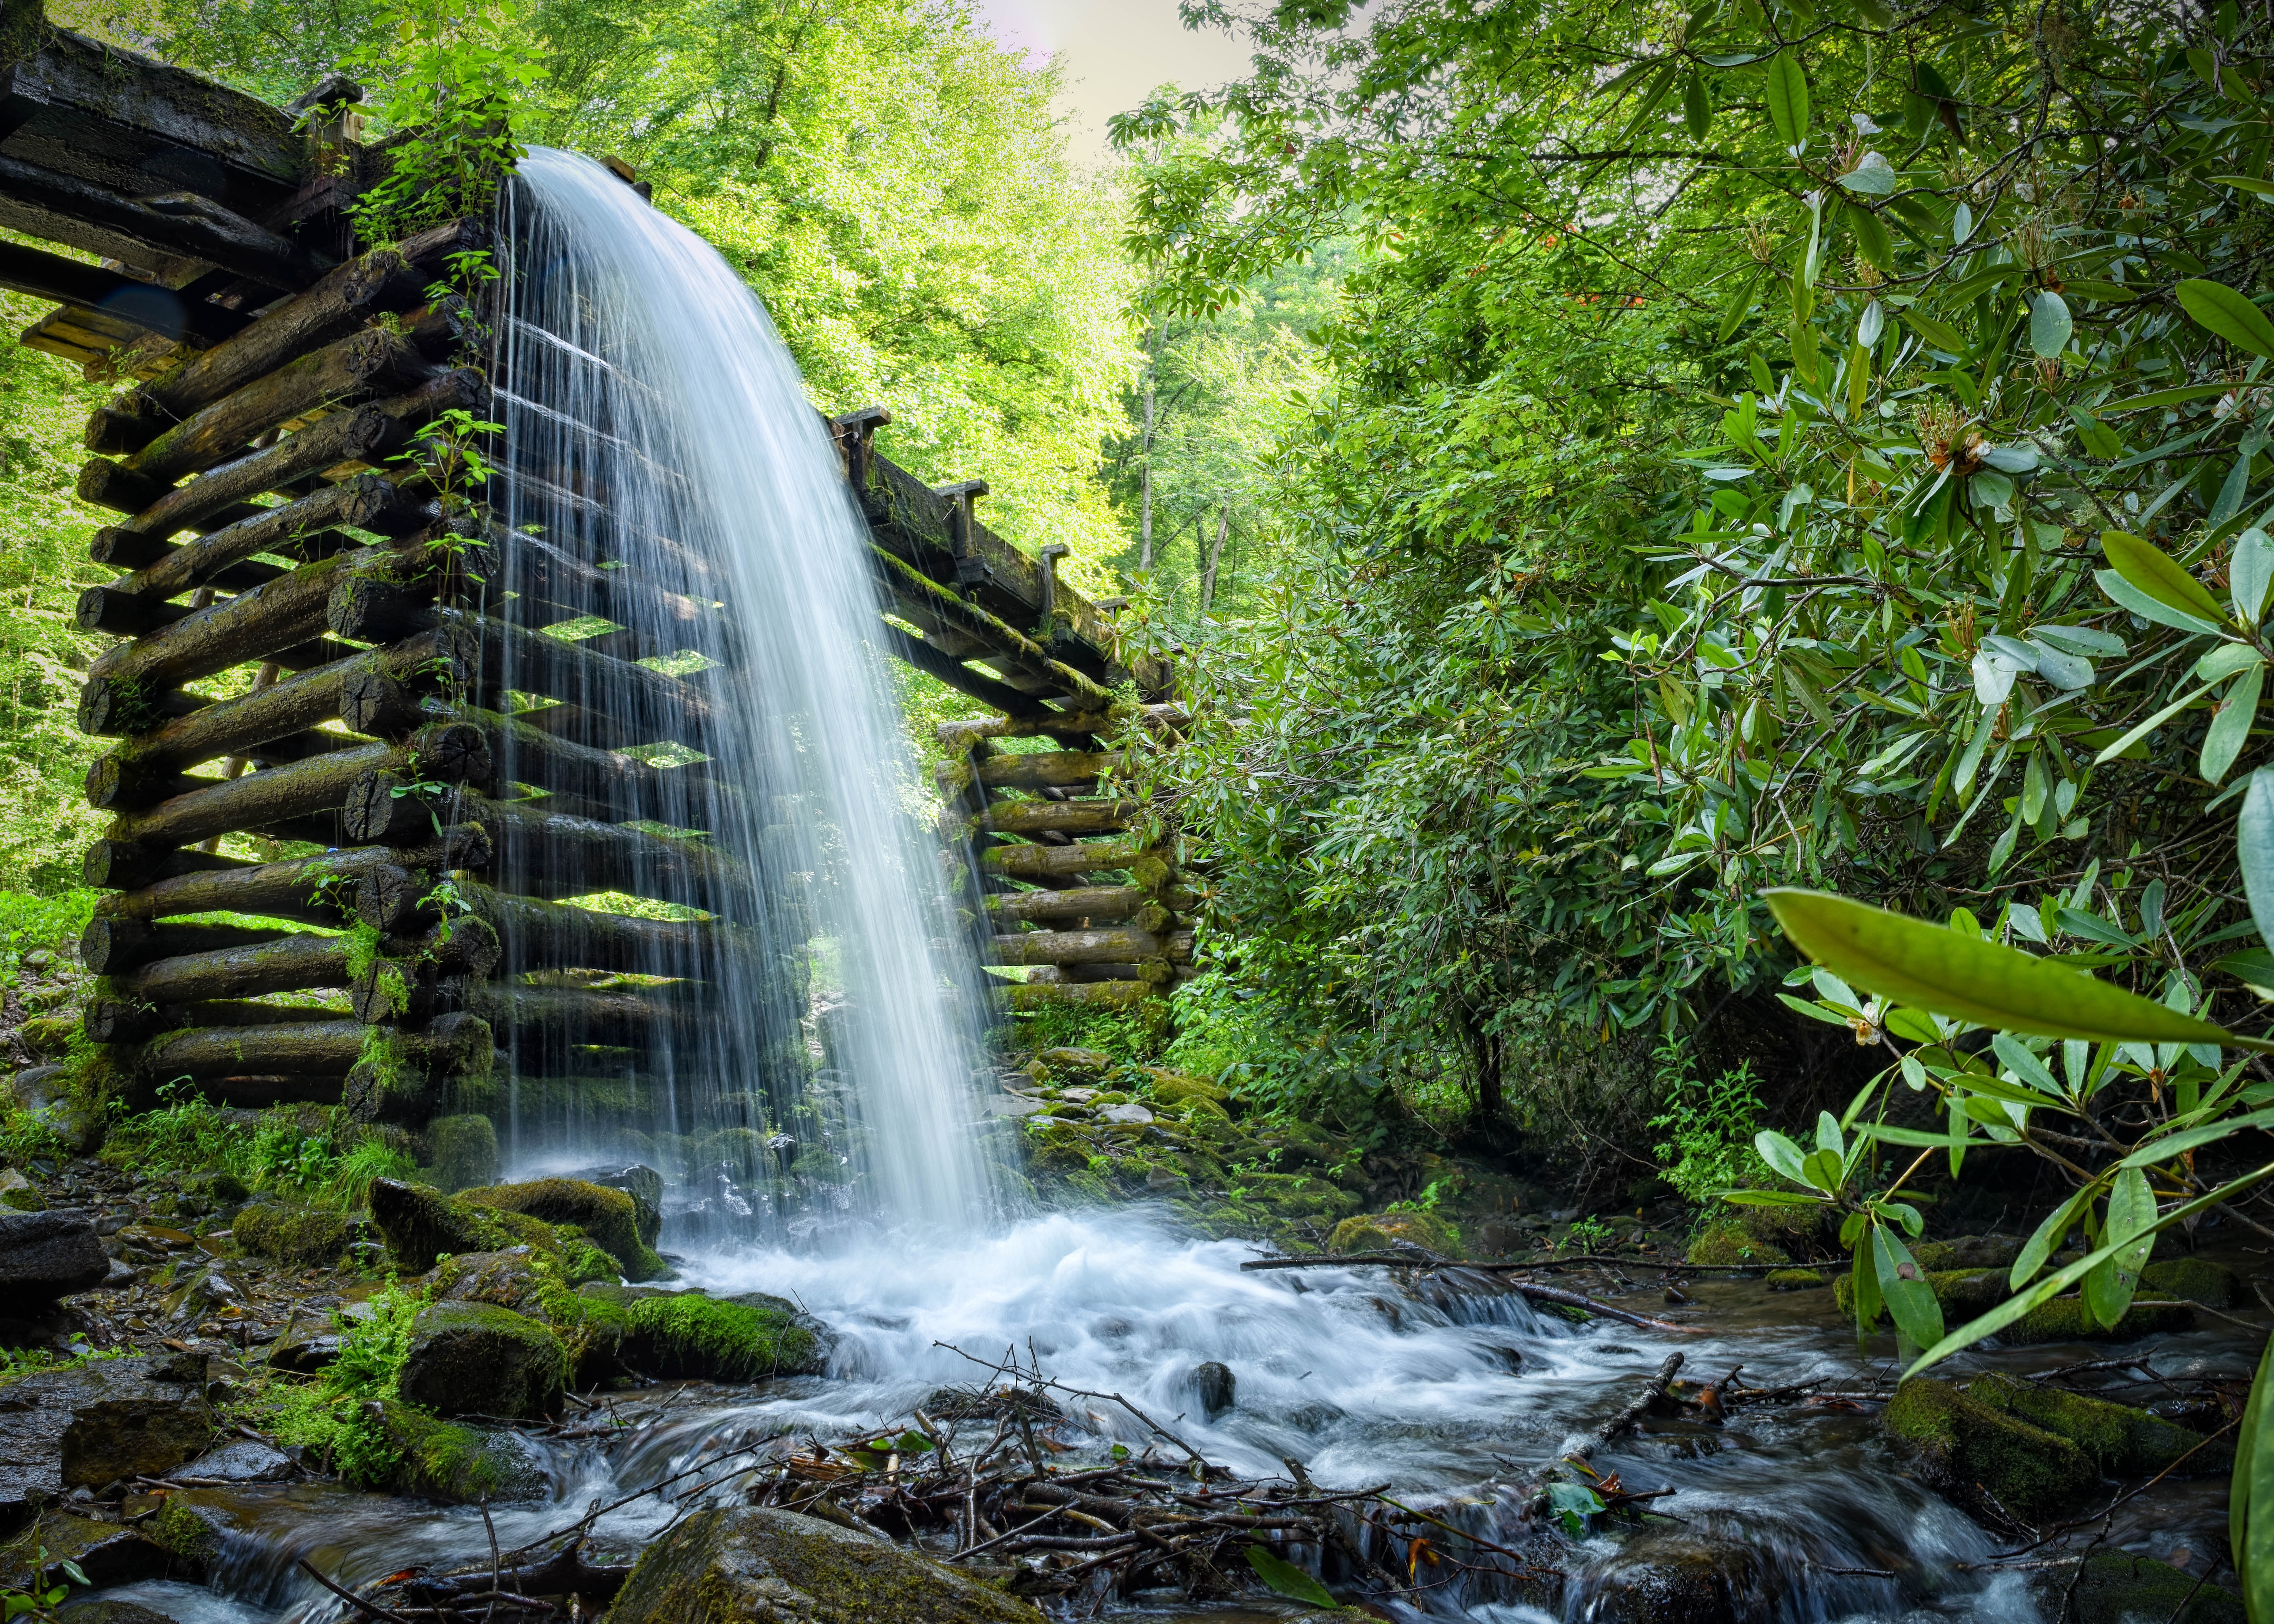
x=653, y=416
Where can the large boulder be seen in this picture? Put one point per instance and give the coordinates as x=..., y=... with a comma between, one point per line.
x=1679, y=1578
x=1393, y=1231
x=610, y=1217
x=449, y=1461
x=754, y=1565
x=475, y=1358
x=745, y=1338
x=95, y=1610
x=642, y=1182
x=107, y=1553
x=305, y=1236
x=47, y=1255
x=2121, y=1441
x=2119, y=1588
x=463, y=1150
x=1962, y=1447
x=420, y=1224
x=119, y=1415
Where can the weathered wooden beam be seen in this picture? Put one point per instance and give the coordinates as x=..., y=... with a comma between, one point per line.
x=291, y=964
x=544, y=935
x=446, y=753
x=961, y=678
x=44, y=276
x=314, y=891
x=1066, y=818
x=119, y=1021
x=115, y=946
x=1112, y=944
x=365, y=501
x=305, y=700
x=1105, y=903
x=420, y=1070
x=1042, y=863
x=117, y=865
x=62, y=207
x=1050, y=770
x=347, y=371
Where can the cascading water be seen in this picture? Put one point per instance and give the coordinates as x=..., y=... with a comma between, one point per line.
x=652, y=419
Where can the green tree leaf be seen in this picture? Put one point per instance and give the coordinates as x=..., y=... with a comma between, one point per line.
x=1786, y=92
x=1290, y=1581
x=2253, y=850
x=1909, y=1298
x=2049, y=325
x=2230, y=724
x=2130, y=1235
x=2220, y=310
x=2149, y=570
x=2250, y=1497
x=1931, y=967
x=1696, y=108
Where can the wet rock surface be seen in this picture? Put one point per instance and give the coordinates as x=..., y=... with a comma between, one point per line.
x=761, y=1566
x=46, y=1255
x=90, y=1427
x=474, y=1359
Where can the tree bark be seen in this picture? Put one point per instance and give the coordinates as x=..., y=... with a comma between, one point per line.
x=410, y=1089
x=1214, y=558
x=119, y=865
x=1111, y=945
x=290, y=963
x=545, y=1027
x=113, y=785
x=552, y=854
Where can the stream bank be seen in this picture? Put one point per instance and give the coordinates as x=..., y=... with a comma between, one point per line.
x=1781, y=1493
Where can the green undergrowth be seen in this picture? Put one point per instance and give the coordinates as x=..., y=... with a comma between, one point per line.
x=331, y=1414
x=318, y=1156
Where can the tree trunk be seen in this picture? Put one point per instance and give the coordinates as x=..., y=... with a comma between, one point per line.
x=365, y=501
x=1145, y=477
x=316, y=891
x=119, y=1021
x=547, y=935
x=116, y=946
x=1214, y=558
x=1043, y=863
x=1050, y=770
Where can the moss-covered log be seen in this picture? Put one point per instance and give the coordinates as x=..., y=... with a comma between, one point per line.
x=122, y=1020
x=1103, y=905
x=1064, y=818
x=445, y=753
x=363, y=501
x=316, y=890
x=1040, y=864
x=115, y=946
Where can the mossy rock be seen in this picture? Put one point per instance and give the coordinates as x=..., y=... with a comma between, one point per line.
x=1727, y=1242
x=1074, y=1061
x=192, y=1532
x=1783, y=1226
x=610, y=1217
x=107, y=1553
x=2066, y=1319
x=1180, y=1089
x=464, y=1151
x=1961, y=1292
x=2119, y=1588
x=476, y=1358
x=2194, y=1280
x=509, y=1280
x=450, y=1461
x=1795, y=1280
x=750, y=1565
x=305, y=1236
x=746, y=1338
x=1384, y=1231
x=420, y=1224
x=2121, y=1441
x=1960, y=1446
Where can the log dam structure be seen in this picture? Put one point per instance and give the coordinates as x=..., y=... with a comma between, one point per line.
x=313, y=652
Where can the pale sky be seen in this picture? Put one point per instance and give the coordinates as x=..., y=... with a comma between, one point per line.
x=1115, y=52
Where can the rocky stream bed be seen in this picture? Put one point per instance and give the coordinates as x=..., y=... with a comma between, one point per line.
x=503, y=1403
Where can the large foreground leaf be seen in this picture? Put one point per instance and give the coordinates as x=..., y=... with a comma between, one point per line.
x=1931, y=967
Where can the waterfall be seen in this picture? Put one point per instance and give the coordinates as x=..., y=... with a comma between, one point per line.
x=653, y=423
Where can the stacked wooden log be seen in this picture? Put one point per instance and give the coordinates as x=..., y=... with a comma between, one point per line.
x=1077, y=880
x=303, y=662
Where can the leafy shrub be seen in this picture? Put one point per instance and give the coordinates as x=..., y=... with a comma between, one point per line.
x=1710, y=1127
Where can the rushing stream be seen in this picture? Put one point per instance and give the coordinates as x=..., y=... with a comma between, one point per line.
x=1450, y=1402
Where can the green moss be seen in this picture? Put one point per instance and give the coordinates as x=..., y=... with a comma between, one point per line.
x=449, y=1461
x=2066, y=1319
x=610, y=1217
x=1381, y=1232
x=2193, y=1280
x=2121, y=1441
x=1796, y=1280
x=479, y=1359
x=308, y=1236
x=464, y=1151
x=686, y=1334
x=194, y=1539
x=2116, y=1587
x=1728, y=1242
x=1962, y=1447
